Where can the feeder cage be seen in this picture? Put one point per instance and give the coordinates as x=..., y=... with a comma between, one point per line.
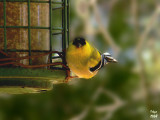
x=30, y=33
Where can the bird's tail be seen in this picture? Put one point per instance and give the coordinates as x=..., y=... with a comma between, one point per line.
x=107, y=58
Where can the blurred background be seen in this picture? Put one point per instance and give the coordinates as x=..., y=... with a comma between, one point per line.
x=129, y=90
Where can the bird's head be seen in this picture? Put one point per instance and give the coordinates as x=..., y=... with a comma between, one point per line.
x=79, y=42
x=106, y=58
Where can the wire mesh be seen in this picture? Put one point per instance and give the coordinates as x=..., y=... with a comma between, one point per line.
x=30, y=28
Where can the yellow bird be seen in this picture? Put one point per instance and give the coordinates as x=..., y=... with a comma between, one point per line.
x=84, y=60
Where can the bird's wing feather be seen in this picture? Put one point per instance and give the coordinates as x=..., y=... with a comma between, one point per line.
x=95, y=58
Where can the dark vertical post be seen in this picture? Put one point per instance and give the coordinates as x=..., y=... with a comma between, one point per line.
x=50, y=15
x=65, y=23
x=68, y=20
x=5, y=30
x=29, y=31
x=63, y=37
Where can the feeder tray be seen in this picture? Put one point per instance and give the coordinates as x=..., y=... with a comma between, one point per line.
x=31, y=28
x=21, y=80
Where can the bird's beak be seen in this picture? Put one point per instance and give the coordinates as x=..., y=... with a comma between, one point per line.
x=110, y=59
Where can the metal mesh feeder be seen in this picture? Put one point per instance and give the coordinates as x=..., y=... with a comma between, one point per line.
x=33, y=35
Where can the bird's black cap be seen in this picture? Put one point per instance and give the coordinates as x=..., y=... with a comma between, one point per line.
x=79, y=42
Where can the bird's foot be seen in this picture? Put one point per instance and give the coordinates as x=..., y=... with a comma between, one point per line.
x=68, y=77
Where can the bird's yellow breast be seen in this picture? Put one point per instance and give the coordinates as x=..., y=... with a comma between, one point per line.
x=80, y=60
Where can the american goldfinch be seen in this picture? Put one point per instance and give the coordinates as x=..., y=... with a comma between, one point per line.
x=84, y=60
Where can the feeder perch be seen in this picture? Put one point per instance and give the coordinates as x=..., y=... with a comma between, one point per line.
x=33, y=35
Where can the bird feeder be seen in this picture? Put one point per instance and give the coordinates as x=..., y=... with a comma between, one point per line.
x=30, y=33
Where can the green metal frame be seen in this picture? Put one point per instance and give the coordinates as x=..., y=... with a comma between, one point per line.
x=64, y=29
